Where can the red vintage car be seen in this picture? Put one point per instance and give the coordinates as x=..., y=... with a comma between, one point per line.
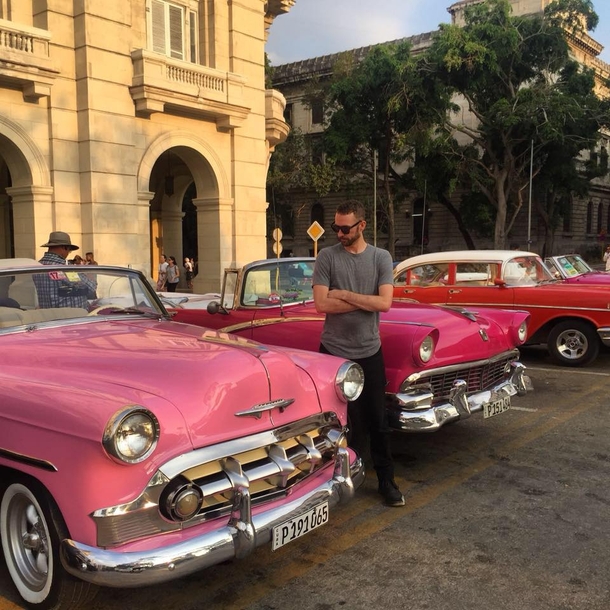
x=135, y=450
x=571, y=268
x=442, y=363
x=572, y=323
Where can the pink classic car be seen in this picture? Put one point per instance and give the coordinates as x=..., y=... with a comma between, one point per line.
x=135, y=449
x=442, y=364
x=573, y=269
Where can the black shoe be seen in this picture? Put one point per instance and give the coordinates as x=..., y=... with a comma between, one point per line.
x=391, y=494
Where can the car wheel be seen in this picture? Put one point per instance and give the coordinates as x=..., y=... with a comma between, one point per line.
x=31, y=529
x=573, y=343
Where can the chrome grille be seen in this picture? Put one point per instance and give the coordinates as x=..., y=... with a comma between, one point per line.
x=271, y=471
x=269, y=463
x=479, y=376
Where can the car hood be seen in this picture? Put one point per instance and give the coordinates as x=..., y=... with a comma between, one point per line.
x=465, y=333
x=208, y=376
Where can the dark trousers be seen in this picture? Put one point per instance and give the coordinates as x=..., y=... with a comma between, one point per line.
x=368, y=416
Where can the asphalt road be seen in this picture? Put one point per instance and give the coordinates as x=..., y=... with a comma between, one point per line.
x=509, y=513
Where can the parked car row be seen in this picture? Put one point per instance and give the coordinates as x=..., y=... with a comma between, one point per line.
x=573, y=324
x=195, y=428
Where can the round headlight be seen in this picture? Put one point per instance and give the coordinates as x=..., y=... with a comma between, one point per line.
x=349, y=381
x=426, y=349
x=131, y=435
x=522, y=332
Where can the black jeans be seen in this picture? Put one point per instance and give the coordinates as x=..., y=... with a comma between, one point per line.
x=368, y=416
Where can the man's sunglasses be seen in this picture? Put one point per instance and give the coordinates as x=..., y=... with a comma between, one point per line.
x=343, y=228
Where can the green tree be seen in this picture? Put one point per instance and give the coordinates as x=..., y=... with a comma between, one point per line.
x=519, y=85
x=365, y=117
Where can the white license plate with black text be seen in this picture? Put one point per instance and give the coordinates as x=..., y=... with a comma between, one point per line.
x=295, y=528
x=495, y=407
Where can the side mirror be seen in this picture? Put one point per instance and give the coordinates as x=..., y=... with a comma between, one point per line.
x=215, y=307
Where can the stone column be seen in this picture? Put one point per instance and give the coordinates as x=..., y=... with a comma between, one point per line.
x=5, y=227
x=172, y=238
x=215, y=237
x=33, y=219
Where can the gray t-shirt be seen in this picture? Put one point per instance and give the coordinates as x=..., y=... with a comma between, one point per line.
x=354, y=334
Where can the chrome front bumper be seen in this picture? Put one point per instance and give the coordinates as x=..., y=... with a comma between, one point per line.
x=415, y=412
x=604, y=335
x=242, y=533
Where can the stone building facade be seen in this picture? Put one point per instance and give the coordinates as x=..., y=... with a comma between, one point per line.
x=422, y=225
x=116, y=114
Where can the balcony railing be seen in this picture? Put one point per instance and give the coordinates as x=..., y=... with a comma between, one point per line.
x=162, y=84
x=24, y=53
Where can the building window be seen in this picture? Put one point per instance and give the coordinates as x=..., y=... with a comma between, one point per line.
x=589, y=225
x=172, y=30
x=317, y=112
x=288, y=114
x=317, y=213
x=600, y=213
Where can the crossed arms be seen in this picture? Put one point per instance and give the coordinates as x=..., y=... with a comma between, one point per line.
x=342, y=301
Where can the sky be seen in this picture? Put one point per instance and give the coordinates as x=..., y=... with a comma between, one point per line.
x=319, y=27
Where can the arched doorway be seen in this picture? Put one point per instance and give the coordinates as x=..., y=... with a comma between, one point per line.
x=188, y=215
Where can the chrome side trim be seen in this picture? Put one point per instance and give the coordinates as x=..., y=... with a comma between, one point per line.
x=268, y=321
x=233, y=539
x=27, y=459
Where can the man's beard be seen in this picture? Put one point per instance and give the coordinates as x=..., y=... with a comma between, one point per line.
x=347, y=240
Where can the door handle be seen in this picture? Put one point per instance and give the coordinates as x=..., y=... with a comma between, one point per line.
x=454, y=291
x=408, y=291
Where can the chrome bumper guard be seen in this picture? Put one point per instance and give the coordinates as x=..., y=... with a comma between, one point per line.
x=416, y=413
x=604, y=335
x=239, y=537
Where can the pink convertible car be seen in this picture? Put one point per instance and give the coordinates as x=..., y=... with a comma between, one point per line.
x=442, y=364
x=135, y=449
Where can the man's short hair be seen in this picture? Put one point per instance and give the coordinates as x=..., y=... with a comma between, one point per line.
x=352, y=206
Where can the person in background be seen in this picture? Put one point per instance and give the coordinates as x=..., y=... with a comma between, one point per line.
x=173, y=275
x=59, y=288
x=162, y=279
x=188, y=271
x=78, y=260
x=89, y=260
x=352, y=284
x=607, y=258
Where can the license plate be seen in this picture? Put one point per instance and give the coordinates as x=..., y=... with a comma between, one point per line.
x=495, y=407
x=299, y=526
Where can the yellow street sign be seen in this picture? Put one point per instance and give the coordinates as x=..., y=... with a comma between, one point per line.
x=277, y=234
x=315, y=231
x=277, y=248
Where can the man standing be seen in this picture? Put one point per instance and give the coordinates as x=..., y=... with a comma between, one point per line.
x=62, y=288
x=352, y=283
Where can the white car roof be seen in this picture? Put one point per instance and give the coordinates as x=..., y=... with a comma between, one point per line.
x=15, y=263
x=469, y=256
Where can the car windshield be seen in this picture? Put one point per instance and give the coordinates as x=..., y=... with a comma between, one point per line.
x=570, y=265
x=276, y=283
x=50, y=293
x=525, y=271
